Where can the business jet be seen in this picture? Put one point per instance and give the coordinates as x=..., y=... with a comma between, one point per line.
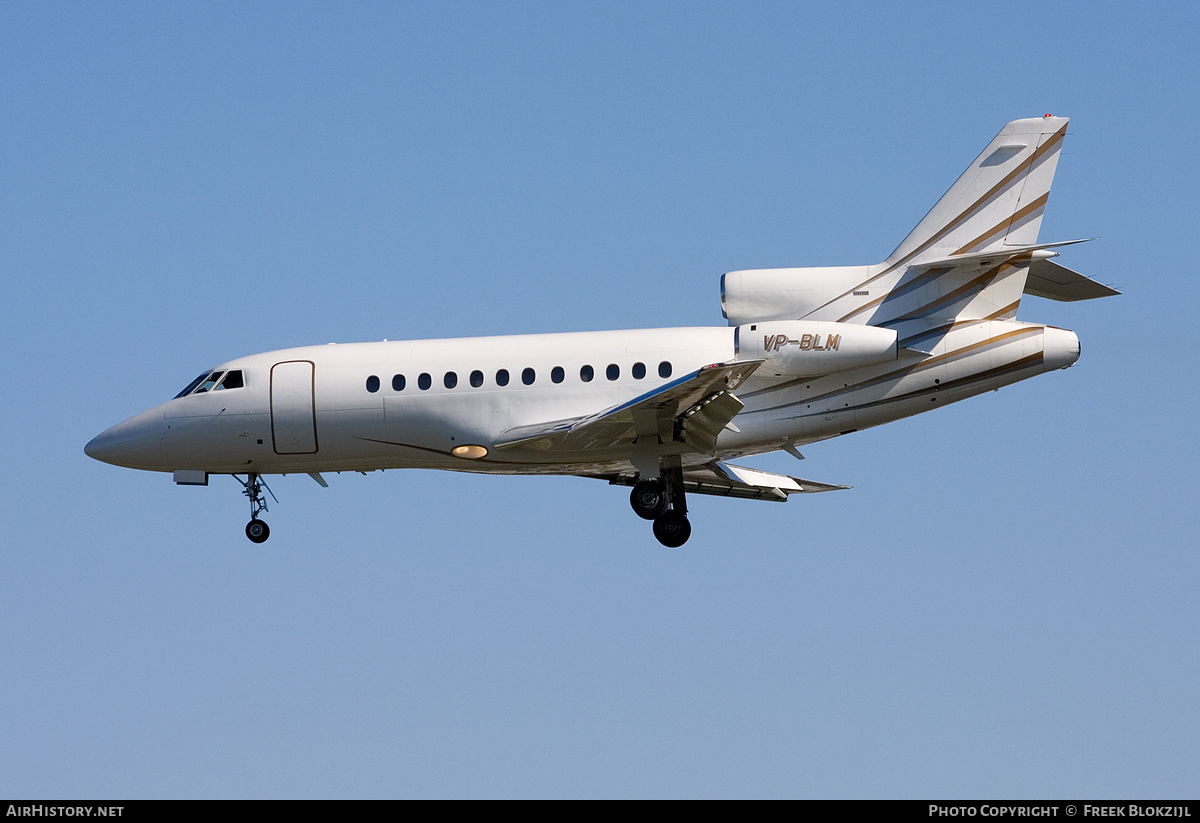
x=808, y=354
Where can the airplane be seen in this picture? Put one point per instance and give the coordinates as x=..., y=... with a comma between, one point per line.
x=807, y=354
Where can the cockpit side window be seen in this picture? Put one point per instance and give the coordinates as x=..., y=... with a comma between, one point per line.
x=233, y=380
x=191, y=386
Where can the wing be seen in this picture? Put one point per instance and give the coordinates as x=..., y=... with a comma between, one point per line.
x=691, y=410
x=727, y=480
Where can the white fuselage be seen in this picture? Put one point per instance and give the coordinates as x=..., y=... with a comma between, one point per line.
x=410, y=404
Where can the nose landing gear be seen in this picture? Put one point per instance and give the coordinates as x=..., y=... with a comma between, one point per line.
x=257, y=531
x=253, y=487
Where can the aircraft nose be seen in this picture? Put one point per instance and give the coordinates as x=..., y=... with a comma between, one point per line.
x=137, y=443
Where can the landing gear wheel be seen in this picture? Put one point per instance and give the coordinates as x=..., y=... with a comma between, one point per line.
x=672, y=529
x=258, y=531
x=253, y=487
x=649, y=499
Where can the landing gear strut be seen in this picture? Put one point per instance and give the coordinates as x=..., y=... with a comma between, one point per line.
x=253, y=487
x=663, y=501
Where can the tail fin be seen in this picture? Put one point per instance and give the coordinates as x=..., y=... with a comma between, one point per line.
x=998, y=201
x=970, y=258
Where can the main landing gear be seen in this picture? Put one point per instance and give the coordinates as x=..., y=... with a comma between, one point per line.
x=253, y=487
x=662, y=500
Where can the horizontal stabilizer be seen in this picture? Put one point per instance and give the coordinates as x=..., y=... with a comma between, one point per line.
x=994, y=256
x=1054, y=282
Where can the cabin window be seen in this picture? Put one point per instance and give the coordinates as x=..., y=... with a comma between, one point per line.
x=424, y=381
x=502, y=377
x=450, y=380
x=639, y=371
x=586, y=374
x=233, y=380
x=664, y=369
x=557, y=374
x=528, y=376
x=613, y=371
x=397, y=382
x=477, y=378
x=372, y=384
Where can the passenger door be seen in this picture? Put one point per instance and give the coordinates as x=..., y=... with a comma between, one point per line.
x=293, y=416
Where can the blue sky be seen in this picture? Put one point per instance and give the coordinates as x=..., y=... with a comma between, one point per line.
x=1004, y=605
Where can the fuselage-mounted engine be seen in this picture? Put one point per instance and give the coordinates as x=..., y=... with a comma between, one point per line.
x=810, y=348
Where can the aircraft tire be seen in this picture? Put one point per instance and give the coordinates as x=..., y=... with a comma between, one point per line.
x=648, y=499
x=258, y=531
x=672, y=529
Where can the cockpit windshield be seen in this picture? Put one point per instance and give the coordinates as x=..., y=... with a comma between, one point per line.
x=192, y=385
x=208, y=382
x=214, y=381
